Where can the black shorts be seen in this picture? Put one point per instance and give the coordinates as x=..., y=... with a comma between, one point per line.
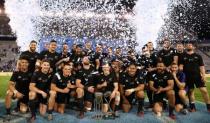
x=61, y=98
x=178, y=99
x=88, y=96
x=130, y=98
x=159, y=97
x=191, y=82
x=41, y=99
x=25, y=98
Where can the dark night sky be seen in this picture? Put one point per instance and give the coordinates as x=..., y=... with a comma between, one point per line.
x=197, y=18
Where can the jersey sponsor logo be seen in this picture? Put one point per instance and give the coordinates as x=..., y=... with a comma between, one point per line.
x=24, y=79
x=165, y=77
x=39, y=79
x=19, y=77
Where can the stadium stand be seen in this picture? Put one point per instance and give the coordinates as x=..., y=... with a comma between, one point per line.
x=8, y=55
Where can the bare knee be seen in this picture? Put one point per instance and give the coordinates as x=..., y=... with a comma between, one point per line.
x=140, y=94
x=23, y=108
x=80, y=92
x=182, y=93
x=32, y=95
x=157, y=107
x=126, y=107
x=53, y=94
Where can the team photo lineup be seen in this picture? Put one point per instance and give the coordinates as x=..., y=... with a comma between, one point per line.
x=45, y=82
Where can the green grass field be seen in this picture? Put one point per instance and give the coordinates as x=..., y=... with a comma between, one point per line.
x=4, y=81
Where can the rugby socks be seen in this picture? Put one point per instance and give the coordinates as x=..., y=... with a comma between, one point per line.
x=8, y=111
x=80, y=104
x=141, y=104
x=208, y=106
x=184, y=106
x=32, y=105
x=192, y=105
x=50, y=111
x=171, y=110
x=117, y=107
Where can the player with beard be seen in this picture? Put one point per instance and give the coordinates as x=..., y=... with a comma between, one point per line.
x=167, y=54
x=18, y=87
x=39, y=89
x=132, y=86
x=62, y=83
x=51, y=55
x=108, y=85
x=31, y=55
x=77, y=57
x=85, y=90
x=162, y=83
x=179, y=89
x=193, y=67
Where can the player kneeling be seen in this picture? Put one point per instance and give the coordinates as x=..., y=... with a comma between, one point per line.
x=161, y=83
x=108, y=85
x=62, y=83
x=18, y=87
x=132, y=86
x=39, y=90
x=179, y=89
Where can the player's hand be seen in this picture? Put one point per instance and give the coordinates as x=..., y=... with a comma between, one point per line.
x=69, y=85
x=168, y=69
x=160, y=89
x=91, y=89
x=174, y=74
x=66, y=59
x=44, y=95
x=129, y=92
x=66, y=90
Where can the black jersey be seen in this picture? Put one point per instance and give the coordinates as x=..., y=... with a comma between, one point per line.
x=77, y=59
x=147, y=62
x=84, y=75
x=192, y=63
x=110, y=79
x=64, y=55
x=154, y=57
x=41, y=80
x=161, y=79
x=167, y=56
x=129, y=82
x=94, y=56
x=52, y=57
x=32, y=57
x=21, y=80
x=180, y=57
x=61, y=82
